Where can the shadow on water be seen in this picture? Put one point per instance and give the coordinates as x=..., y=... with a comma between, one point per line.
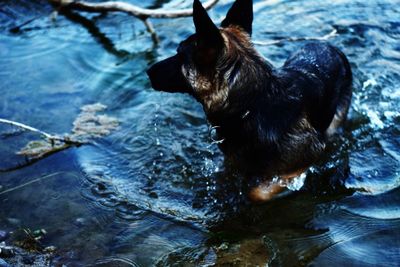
x=100, y=37
x=157, y=192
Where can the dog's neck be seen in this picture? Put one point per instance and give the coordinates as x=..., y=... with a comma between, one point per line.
x=239, y=68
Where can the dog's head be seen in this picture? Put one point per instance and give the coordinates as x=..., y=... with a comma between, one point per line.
x=208, y=62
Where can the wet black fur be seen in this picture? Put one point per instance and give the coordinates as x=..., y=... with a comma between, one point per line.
x=314, y=82
x=260, y=125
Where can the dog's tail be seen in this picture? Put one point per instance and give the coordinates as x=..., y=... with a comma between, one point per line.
x=344, y=100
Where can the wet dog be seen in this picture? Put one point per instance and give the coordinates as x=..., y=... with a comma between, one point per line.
x=272, y=122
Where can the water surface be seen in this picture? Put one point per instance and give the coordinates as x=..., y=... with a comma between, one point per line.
x=156, y=191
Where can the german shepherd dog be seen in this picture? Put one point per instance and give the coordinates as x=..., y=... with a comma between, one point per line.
x=272, y=122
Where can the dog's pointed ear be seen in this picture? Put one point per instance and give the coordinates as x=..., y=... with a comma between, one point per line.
x=207, y=32
x=240, y=14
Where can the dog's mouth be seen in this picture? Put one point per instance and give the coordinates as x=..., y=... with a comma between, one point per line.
x=167, y=76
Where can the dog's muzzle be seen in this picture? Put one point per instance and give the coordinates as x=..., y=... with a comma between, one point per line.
x=167, y=76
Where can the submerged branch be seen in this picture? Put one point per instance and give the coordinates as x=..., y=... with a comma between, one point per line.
x=117, y=6
x=50, y=137
x=87, y=126
x=25, y=127
x=332, y=34
x=30, y=161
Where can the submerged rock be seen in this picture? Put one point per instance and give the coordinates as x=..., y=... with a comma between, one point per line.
x=249, y=252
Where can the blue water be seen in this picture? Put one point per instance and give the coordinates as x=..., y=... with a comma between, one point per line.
x=156, y=192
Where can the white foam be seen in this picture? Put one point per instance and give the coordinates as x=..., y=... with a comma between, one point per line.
x=297, y=183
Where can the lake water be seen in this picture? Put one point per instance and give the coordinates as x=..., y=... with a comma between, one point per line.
x=155, y=192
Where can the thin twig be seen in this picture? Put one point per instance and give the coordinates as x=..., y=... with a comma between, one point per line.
x=16, y=29
x=50, y=137
x=30, y=182
x=117, y=6
x=57, y=144
x=332, y=34
x=27, y=127
x=87, y=126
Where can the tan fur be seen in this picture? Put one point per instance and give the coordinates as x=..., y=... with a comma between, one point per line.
x=213, y=92
x=271, y=188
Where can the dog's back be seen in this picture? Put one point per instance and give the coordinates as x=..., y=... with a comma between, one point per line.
x=324, y=77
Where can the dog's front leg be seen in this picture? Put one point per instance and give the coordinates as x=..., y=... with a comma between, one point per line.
x=269, y=189
x=265, y=191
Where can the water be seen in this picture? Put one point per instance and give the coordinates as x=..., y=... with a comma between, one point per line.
x=156, y=191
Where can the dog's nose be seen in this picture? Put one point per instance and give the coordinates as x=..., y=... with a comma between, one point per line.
x=149, y=71
x=154, y=79
x=153, y=72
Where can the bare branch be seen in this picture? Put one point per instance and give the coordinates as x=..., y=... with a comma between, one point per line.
x=31, y=161
x=29, y=128
x=37, y=150
x=117, y=6
x=332, y=34
x=87, y=126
